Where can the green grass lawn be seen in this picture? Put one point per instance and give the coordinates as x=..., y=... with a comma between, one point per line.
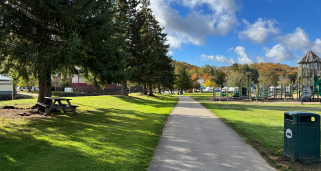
x=108, y=133
x=263, y=122
x=201, y=96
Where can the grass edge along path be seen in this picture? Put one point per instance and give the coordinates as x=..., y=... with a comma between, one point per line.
x=199, y=96
x=108, y=133
x=261, y=125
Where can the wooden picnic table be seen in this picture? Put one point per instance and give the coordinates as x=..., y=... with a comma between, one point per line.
x=55, y=103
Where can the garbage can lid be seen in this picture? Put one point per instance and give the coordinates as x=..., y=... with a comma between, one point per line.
x=300, y=113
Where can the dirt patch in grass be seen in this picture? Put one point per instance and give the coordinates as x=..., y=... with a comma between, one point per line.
x=19, y=114
x=279, y=162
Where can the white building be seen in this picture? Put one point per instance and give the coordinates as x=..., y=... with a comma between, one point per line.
x=6, y=86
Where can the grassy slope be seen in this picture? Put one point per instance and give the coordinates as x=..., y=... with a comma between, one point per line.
x=109, y=133
x=261, y=121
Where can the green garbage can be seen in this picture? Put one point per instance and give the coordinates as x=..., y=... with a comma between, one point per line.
x=302, y=136
x=181, y=92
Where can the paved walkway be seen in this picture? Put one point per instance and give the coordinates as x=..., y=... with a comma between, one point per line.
x=195, y=139
x=28, y=94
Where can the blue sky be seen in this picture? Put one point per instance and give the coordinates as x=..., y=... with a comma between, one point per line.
x=223, y=32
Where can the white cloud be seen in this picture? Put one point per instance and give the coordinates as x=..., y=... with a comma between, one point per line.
x=259, y=31
x=217, y=58
x=241, y=59
x=278, y=53
x=242, y=55
x=170, y=53
x=230, y=49
x=299, y=40
x=260, y=59
x=195, y=26
x=317, y=46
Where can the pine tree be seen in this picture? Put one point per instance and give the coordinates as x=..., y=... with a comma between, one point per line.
x=183, y=80
x=153, y=35
x=127, y=15
x=102, y=56
x=141, y=51
x=35, y=33
x=52, y=36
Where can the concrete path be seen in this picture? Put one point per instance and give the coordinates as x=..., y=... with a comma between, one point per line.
x=28, y=94
x=195, y=139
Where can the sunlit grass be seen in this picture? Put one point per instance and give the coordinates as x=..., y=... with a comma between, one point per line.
x=261, y=121
x=108, y=133
x=200, y=96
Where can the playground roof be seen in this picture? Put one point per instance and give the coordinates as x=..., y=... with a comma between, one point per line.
x=310, y=57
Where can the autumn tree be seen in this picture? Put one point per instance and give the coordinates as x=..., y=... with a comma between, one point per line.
x=193, y=71
x=208, y=83
x=268, y=75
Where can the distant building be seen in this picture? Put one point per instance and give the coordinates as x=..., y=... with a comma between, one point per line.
x=6, y=86
x=78, y=82
x=201, y=81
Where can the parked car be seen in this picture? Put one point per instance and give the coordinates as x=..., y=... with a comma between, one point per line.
x=22, y=89
x=230, y=89
x=34, y=88
x=224, y=89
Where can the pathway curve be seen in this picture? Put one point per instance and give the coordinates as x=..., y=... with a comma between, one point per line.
x=195, y=139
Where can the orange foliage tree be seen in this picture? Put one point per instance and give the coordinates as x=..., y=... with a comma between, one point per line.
x=207, y=80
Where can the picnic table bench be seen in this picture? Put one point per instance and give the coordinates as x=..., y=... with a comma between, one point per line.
x=55, y=103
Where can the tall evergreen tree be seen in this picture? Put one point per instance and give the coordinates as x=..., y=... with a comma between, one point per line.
x=158, y=63
x=51, y=36
x=183, y=81
x=128, y=15
x=141, y=59
x=36, y=33
x=102, y=55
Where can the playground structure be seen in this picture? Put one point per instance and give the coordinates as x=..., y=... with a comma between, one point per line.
x=256, y=92
x=269, y=92
x=307, y=88
x=233, y=93
x=309, y=74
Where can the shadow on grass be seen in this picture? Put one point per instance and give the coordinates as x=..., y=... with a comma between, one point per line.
x=112, y=139
x=25, y=152
x=142, y=101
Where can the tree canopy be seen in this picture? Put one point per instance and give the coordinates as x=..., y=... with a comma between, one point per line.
x=52, y=36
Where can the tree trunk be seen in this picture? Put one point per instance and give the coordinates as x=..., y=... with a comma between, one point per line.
x=159, y=89
x=124, y=88
x=145, y=89
x=150, y=87
x=44, y=90
x=14, y=91
x=29, y=88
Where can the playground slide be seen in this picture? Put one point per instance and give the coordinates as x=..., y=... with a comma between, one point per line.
x=317, y=86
